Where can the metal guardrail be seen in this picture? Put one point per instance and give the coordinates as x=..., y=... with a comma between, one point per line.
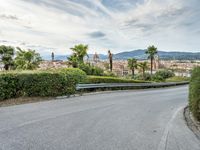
x=127, y=85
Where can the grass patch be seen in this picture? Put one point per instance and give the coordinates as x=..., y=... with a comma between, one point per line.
x=177, y=79
x=23, y=100
x=104, y=79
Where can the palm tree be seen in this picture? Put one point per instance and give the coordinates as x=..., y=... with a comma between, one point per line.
x=151, y=51
x=144, y=67
x=6, y=56
x=27, y=60
x=132, y=64
x=73, y=61
x=80, y=51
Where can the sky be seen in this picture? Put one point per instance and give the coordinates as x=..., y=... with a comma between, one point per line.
x=117, y=25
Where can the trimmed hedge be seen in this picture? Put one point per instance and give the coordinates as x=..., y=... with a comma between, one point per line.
x=194, y=93
x=40, y=83
x=103, y=79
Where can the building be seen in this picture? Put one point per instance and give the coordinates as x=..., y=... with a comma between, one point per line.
x=44, y=65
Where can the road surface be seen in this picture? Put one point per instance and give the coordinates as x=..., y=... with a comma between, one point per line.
x=121, y=120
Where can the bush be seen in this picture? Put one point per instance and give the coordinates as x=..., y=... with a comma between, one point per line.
x=39, y=83
x=44, y=84
x=164, y=74
x=8, y=86
x=91, y=70
x=74, y=74
x=157, y=78
x=147, y=77
x=109, y=74
x=194, y=93
x=103, y=79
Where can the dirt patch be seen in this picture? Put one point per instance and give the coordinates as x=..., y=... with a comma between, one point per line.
x=193, y=124
x=23, y=100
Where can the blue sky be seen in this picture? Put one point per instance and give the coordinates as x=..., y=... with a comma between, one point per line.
x=118, y=25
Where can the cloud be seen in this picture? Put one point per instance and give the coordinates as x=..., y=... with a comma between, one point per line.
x=97, y=34
x=12, y=17
x=103, y=24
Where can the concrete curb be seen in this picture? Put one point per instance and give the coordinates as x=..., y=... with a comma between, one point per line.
x=191, y=122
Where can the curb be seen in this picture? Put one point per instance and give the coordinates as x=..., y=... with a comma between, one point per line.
x=193, y=125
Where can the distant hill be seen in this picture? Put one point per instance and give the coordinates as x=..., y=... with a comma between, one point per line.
x=139, y=54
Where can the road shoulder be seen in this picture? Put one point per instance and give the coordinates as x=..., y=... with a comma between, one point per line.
x=191, y=122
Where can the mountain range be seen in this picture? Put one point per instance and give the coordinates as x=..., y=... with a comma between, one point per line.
x=139, y=54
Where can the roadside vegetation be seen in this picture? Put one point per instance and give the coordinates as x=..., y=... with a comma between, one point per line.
x=177, y=79
x=194, y=93
x=39, y=83
x=24, y=60
x=103, y=79
x=21, y=77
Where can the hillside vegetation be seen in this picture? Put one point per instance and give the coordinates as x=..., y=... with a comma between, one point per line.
x=39, y=83
x=194, y=93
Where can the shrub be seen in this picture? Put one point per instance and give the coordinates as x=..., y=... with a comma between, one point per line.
x=109, y=74
x=74, y=74
x=157, y=78
x=103, y=79
x=8, y=86
x=194, y=93
x=44, y=84
x=91, y=70
x=147, y=77
x=40, y=83
x=164, y=74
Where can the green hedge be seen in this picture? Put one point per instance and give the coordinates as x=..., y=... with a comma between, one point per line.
x=194, y=93
x=103, y=79
x=39, y=83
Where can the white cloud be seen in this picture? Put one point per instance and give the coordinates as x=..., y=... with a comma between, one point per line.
x=60, y=24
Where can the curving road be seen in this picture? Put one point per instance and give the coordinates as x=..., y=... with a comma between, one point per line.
x=122, y=120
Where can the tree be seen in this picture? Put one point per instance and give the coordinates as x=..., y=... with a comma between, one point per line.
x=151, y=51
x=73, y=61
x=6, y=56
x=110, y=57
x=144, y=67
x=27, y=60
x=80, y=51
x=132, y=64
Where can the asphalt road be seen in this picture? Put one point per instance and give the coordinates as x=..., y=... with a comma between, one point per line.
x=123, y=120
